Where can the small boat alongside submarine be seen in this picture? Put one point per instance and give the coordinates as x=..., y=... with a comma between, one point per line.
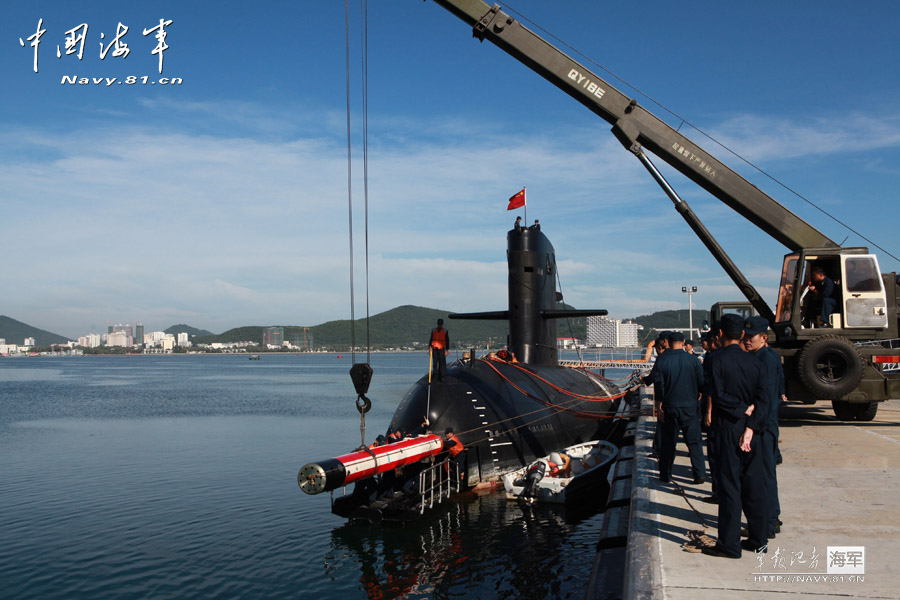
x=506, y=413
x=570, y=476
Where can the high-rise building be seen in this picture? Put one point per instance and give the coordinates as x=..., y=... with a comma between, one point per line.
x=612, y=333
x=273, y=336
x=139, y=334
x=117, y=338
x=183, y=339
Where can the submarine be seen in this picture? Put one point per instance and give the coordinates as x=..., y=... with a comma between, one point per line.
x=506, y=412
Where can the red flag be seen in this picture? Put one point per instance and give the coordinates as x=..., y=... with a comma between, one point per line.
x=517, y=200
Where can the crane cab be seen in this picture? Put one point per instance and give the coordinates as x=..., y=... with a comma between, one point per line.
x=834, y=290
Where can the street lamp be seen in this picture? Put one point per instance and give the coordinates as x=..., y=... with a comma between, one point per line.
x=690, y=290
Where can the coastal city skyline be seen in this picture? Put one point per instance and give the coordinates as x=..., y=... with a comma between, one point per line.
x=219, y=197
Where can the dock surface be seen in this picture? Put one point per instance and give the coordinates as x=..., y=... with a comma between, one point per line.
x=839, y=486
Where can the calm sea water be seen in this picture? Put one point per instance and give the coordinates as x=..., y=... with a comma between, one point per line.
x=175, y=477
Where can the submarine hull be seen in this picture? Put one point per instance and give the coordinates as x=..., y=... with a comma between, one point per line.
x=509, y=414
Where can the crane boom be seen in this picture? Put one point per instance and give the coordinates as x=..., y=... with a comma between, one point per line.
x=636, y=127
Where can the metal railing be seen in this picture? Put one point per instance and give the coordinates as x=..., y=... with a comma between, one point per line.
x=437, y=482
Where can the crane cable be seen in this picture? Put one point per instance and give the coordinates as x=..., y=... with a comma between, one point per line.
x=708, y=136
x=361, y=376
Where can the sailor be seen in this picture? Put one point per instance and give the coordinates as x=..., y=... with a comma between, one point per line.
x=560, y=464
x=659, y=344
x=379, y=441
x=755, y=341
x=457, y=452
x=710, y=344
x=739, y=411
x=536, y=226
x=439, y=347
x=518, y=225
x=689, y=346
x=679, y=381
x=823, y=288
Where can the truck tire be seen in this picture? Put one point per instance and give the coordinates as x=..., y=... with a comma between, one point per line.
x=830, y=367
x=866, y=411
x=844, y=411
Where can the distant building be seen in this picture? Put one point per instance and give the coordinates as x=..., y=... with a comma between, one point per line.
x=183, y=339
x=273, y=336
x=139, y=334
x=612, y=333
x=118, y=339
x=126, y=329
x=568, y=343
x=154, y=338
x=29, y=342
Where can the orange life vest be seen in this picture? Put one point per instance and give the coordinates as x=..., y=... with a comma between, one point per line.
x=439, y=339
x=457, y=447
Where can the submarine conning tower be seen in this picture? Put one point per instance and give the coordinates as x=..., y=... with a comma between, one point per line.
x=534, y=303
x=532, y=289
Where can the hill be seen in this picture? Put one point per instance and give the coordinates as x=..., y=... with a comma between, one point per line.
x=192, y=331
x=668, y=319
x=408, y=325
x=15, y=332
x=399, y=327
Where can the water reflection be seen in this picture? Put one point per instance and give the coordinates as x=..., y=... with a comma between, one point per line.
x=479, y=546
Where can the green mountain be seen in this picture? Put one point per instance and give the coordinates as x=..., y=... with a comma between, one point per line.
x=15, y=332
x=399, y=327
x=668, y=319
x=191, y=331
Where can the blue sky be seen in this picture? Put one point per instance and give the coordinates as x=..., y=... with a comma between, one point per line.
x=222, y=201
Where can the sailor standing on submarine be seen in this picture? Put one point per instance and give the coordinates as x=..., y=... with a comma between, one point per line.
x=439, y=346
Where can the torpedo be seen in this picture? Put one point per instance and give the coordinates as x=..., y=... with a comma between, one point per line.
x=506, y=413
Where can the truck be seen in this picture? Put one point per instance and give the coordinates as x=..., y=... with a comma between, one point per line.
x=852, y=361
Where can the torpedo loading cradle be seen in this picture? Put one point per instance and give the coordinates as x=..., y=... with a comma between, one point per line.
x=506, y=413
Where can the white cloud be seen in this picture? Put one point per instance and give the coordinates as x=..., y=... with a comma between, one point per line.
x=222, y=231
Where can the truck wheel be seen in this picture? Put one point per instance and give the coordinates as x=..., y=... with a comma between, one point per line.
x=830, y=367
x=866, y=412
x=844, y=411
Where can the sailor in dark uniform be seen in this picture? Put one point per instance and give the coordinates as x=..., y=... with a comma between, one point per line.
x=755, y=342
x=711, y=344
x=678, y=385
x=739, y=412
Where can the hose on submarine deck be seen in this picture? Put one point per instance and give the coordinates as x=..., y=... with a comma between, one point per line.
x=549, y=406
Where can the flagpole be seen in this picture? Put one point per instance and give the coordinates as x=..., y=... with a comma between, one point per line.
x=526, y=205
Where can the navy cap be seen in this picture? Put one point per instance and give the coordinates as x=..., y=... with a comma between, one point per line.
x=690, y=341
x=676, y=336
x=732, y=325
x=754, y=325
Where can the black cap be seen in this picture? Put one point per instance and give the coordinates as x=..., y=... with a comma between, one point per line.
x=440, y=321
x=675, y=336
x=448, y=431
x=732, y=325
x=754, y=325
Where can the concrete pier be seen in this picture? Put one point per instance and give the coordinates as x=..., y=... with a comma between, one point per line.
x=839, y=489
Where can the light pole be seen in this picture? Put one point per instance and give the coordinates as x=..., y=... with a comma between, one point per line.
x=690, y=290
